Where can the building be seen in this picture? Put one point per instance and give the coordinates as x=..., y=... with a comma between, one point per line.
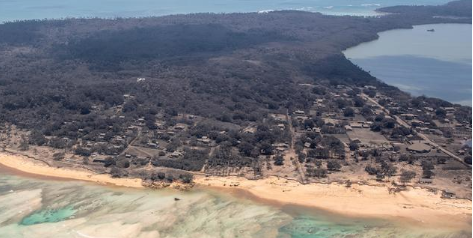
x=356, y=125
x=419, y=148
x=152, y=145
x=180, y=127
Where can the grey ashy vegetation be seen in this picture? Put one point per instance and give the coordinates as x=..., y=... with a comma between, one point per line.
x=98, y=86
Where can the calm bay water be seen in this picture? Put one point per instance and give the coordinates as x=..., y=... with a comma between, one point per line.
x=34, y=9
x=32, y=207
x=422, y=62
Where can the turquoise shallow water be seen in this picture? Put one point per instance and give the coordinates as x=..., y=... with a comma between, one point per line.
x=34, y=9
x=30, y=207
x=436, y=64
x=45, y=216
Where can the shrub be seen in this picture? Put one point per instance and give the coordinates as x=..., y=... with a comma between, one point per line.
x=278, y=160
x=186, y=178
x=333, y=166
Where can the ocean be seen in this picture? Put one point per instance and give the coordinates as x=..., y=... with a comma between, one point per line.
x=432, y=63
x=33, y=9
x=34, y=207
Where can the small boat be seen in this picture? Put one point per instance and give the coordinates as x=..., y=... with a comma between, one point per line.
x=431, y=30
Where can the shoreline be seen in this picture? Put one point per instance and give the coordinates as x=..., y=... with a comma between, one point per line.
x=27, y=165
x=415, y=205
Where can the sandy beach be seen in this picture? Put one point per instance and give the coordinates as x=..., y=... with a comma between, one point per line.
x=415, y=204
x=31, y=166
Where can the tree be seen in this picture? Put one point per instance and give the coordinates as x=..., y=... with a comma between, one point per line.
x=407, y=176
x=266, y=148
x=380, y=177
x=37, y=138
x=186, y=178
x=118, y=173
x=349, y=112
x=320, y=173
x=467, y=159
x=427, y=165
x=170, y=178
x=130, y=106
x=388, y=169
x=341, y=103
x=366, y=111
x=319, y=90
x=333, y=165
x=379, y=117
x=441, y=113
x=353, y=146
x=389, y=123
x=246, y=148
x=82, y=151
x=371, y=170
x=151, y=124
x=427, y=173
x=441, y=160
x=376, y=126
x=358, y=102
x=58, y=156
x=171, y=147
x=58, y=143
x=109, y=161
x=301, y=157
x=278, y=160
x=24, y=145
x=370, y=92
x=123, y=163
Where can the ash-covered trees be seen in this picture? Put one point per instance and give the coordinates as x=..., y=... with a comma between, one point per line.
x=278, y=160
x=427, y=167
x=37, y=138
x=407, y=176
x=467, y=159
x=371, y=170
x=24, y=145
x=186, y=178
x=388, y=169
x=354, y=146
x=349, y=112
x=333, y=165
x=58, y=156
x=118, y=172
